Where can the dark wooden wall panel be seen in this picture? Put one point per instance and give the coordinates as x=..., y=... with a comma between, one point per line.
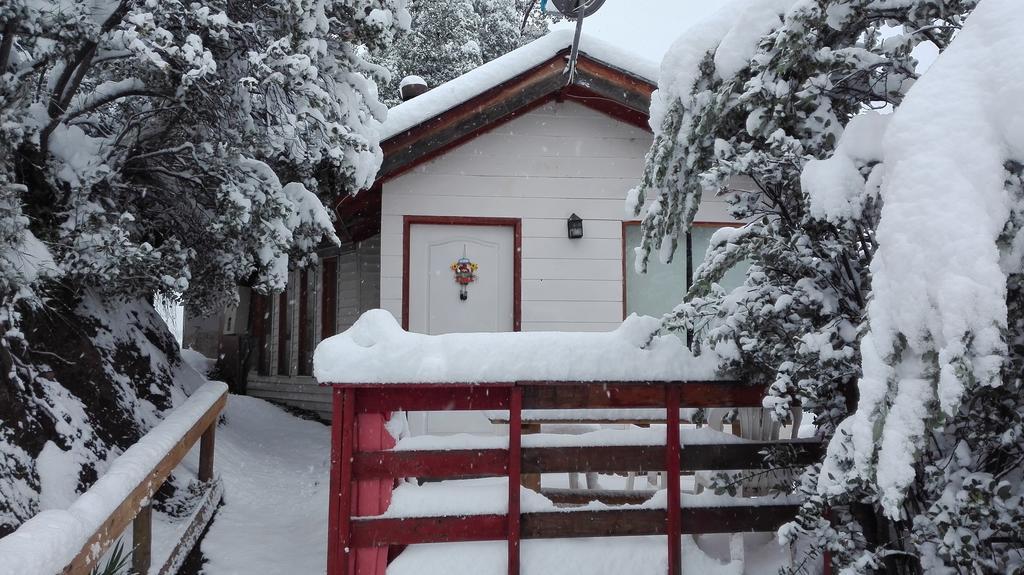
x=329, y=298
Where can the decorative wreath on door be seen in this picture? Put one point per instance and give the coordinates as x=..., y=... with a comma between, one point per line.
x=465, y=274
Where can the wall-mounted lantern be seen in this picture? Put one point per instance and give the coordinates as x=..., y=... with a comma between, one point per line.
x=575, y=227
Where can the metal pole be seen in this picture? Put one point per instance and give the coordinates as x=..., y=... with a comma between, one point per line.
x=574, y=53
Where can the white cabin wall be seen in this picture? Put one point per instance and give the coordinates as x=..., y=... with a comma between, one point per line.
x=559, y=159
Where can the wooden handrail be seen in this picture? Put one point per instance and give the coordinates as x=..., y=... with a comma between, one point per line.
x=137, y=504
x=72, y=541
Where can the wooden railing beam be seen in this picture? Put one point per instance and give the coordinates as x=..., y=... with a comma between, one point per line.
x=378, y=532
x=471, y=463
x=553, y=395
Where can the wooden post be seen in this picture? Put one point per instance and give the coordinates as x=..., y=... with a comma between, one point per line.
x=142, y=540
x=347, y=438
x=530, y=480
x=515, y=458
x=206, y=448
x=334, y=499
x=672, y=457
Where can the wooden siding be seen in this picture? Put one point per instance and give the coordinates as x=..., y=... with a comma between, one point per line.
x=558, y=159
x=328, y=310
x=302, y=392
x=306, y=322
x=283, y=329
x=356, y=277
x=260, y=321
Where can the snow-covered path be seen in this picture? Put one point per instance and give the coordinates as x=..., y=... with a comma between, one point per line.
x=275, y=471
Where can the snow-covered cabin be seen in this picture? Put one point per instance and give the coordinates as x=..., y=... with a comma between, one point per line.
x=489, y=167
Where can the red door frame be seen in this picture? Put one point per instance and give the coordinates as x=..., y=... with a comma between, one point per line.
x=517, y=256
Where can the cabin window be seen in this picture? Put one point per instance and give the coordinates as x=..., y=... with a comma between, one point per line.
x=700, y=239
x=662, y=288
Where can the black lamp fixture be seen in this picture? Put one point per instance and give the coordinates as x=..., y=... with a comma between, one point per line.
x=575, y=227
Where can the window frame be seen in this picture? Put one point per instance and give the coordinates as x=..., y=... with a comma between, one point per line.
x=688, y=250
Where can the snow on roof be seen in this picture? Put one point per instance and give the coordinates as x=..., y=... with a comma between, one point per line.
x=377, y=350
x=473, y=83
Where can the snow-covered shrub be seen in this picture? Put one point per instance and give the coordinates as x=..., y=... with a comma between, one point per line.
x=937, y=440
x=154, y=135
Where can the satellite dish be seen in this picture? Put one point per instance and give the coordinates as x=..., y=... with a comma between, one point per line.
x=571, y=9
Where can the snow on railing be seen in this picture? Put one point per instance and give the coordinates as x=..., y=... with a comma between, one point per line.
x=72, y=541
x=375, y=349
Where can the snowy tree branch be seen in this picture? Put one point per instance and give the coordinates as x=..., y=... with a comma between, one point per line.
x=96, y=103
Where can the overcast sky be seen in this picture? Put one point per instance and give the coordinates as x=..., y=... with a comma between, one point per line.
x=647, y=27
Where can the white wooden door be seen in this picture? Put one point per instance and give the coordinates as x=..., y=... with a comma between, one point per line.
x=435, y=306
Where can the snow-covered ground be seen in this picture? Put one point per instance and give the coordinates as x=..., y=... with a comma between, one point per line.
x=275, y=471
x=274, y=518
x=585, y=556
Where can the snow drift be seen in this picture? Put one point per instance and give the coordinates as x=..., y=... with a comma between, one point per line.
x=377, y=350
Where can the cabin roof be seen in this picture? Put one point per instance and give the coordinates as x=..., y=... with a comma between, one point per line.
x=608, y=79
x=504, y=68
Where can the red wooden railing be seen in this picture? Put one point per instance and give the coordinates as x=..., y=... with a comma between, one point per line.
x=347, y=532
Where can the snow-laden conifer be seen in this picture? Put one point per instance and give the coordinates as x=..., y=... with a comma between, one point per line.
x=447, y=39
x=443, y=42
x=781, y=92
x=499, y=27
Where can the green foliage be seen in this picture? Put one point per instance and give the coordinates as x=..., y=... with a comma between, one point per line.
x=444, y=41
x=118, y=563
